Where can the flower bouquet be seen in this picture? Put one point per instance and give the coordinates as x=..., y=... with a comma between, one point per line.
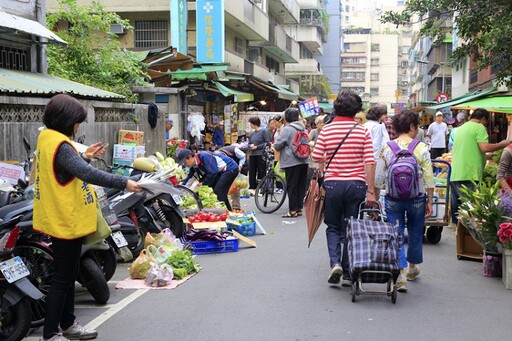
x=505, y=235
x=482, y=214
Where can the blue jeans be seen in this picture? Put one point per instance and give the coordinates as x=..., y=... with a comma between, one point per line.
x=455, y=194
x=342, y=199
x=414, y=210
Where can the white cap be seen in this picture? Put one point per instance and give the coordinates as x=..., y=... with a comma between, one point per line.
x=439, y=113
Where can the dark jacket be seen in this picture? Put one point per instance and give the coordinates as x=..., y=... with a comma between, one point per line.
x=207, y=170
x=218, y=137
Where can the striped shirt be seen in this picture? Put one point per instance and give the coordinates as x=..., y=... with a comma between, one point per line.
x=356, y=151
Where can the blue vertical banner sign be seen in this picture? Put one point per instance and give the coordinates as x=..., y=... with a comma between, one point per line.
x=210, y=31
x=179, y=25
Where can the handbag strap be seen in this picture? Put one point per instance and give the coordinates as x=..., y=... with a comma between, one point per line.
x=337, y=148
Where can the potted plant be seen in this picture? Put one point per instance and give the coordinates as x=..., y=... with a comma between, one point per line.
x=505, y=238
x=482, y=215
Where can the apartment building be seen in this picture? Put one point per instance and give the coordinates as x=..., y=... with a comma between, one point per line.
x=375, y=59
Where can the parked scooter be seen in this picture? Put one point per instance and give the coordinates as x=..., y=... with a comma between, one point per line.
x=16, y=291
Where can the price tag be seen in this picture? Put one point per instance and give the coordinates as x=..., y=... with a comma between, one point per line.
x=119, y=239
x=14, y=269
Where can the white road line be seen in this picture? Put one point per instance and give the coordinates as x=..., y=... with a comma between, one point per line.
x=98, y=321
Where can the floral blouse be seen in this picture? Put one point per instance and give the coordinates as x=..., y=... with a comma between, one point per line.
x=422, y=156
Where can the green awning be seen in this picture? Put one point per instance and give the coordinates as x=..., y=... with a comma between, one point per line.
x=501, y=104
x=281, y=90
x=461, y=99
x=197, y=72
x=23, y=82
x=284, y=93
x=240, y=96
x=326, y=106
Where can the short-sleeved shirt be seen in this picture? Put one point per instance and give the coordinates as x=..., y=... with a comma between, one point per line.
x=468, y=161
x=422, y=156
x=438, y=132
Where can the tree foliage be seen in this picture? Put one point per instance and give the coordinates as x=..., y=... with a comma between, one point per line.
x=483, y=27
x=93, y=55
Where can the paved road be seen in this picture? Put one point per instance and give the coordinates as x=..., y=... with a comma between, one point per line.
x=279, y=291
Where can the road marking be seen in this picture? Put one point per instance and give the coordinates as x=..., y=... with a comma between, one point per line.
x=98, y=321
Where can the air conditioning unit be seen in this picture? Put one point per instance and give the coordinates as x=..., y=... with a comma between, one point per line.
x=116, y=29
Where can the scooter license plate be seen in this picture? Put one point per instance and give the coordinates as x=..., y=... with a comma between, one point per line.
x=14, y=269
x=177, y=199
x=119, y=239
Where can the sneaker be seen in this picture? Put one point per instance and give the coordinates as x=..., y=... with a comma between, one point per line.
x=335, y=274
x=401, y=284
x=56, y=337
x=78, y=332
x=413, y=273
x=346, y=282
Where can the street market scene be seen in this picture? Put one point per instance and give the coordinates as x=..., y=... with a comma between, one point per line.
x=255, y=169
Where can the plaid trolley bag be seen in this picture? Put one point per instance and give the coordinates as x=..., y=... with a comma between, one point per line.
x=373, y=253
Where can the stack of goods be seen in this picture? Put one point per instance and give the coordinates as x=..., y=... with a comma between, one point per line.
x=243, y=223
x=208, y=199
x=207, y=241
x=130, y=146
x=163, y=259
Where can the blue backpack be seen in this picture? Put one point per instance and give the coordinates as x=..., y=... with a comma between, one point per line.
x=403, y=172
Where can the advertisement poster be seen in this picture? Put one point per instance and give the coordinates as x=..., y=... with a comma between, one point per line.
x=309, y=107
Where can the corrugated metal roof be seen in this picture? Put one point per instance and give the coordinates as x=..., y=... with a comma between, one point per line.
x=17, y=23
x=23, y=82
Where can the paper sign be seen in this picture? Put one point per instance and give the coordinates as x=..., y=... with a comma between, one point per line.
x=11, y=173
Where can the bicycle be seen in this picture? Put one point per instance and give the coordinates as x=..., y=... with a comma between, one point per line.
x=270, y=192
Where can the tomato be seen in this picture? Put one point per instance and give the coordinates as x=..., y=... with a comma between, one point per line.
x=192, y=219
x=223, y=217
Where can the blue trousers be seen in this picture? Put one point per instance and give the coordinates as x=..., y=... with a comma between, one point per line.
x=455, y=195
x=342, y=199
x=414, y=210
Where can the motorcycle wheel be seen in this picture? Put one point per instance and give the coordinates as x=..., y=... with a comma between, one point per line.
x=177, y=225
x=15, y=320
x=94, y=280
x=40, y=264
x=107, y=261
x=137, y=248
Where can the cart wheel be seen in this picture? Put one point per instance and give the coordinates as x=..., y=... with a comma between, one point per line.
x=434, y=234
x=393, y=295
x=353, y=292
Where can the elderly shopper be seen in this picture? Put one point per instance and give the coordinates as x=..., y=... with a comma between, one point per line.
x=348, y=180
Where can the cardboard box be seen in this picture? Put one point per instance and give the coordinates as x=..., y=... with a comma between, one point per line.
x=131, y=137
x=123, y=152
x=217, y=225
x=122, y=162
x=467, y=247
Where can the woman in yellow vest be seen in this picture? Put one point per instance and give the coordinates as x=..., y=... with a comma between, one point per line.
x=65, y=208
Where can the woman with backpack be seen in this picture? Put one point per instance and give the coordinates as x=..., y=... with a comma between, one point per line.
x=294, y=163
x=409, y=159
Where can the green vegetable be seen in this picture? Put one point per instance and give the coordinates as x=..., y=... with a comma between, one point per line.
x=188, y=202
x=184, y=260
x=179, y=273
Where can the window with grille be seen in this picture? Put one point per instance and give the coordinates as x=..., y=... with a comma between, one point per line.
x=151, y=33
x=239, y=45
x=352, y=76
x=374, y=92
x=374, y=77
x=272, y=64
x=374, y=61
x=14, y=59
x=375, y=47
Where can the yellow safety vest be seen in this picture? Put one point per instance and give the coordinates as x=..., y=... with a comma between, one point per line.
x=65, y=211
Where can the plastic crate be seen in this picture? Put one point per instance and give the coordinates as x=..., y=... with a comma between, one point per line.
x=245, y=229
x=206, y=247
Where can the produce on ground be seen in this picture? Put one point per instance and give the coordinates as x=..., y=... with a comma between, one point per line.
x=201, y=217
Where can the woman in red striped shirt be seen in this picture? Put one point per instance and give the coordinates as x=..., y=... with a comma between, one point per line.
x=348, y=179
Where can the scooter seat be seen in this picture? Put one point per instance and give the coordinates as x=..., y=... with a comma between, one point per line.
x=20, y=208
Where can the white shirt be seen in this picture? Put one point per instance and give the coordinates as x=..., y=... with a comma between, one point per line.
x=379, y=136
x=221, y=165
x=438, y=132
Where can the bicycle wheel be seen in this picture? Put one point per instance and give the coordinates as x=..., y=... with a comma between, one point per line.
x=270, y=193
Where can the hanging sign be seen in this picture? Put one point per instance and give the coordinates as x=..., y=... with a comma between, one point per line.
x=309, y=107
x=210, y=31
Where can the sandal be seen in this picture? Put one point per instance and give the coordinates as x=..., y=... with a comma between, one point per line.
x=299, y=213
x=290, y=215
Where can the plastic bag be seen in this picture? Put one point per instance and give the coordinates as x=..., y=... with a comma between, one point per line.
x=159, y=275
x=279, y=171
x=140, y=266
x=239, y=183
x=162, y=253
x=164, y=237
